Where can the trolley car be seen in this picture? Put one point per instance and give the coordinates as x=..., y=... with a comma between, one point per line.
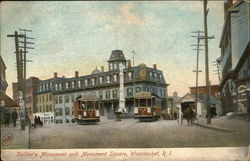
x=86, y=109
x=147, y=106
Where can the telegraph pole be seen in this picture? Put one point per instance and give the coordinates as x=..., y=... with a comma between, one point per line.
x=21, y=71
x=206, y=64
x=197, y=66
x=25, y=47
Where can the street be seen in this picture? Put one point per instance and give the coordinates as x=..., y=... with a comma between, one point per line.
x=130, y=133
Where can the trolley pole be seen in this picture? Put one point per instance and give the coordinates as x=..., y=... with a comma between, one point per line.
x=133, y=52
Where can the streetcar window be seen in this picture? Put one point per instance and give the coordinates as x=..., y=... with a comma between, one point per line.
x=90, y=104
x=143, y=103
x=136, y=103
x=149, y=103
x=96, y=105
x=82, y=106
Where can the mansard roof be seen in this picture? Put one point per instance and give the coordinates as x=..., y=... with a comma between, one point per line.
x=117, y=55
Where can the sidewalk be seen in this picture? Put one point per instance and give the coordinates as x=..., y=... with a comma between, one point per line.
x=223, y=124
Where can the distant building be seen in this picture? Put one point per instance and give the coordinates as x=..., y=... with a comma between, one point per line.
x=30, y=94
x=235, y=58
x=105, y=84
x=201, y=90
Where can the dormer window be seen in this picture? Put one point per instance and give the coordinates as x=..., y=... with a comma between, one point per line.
x=56, y=86
x=93, y=81
x=73, y=84
x=66, y=85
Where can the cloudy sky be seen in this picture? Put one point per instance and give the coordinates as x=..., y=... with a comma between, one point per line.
x=78, y=36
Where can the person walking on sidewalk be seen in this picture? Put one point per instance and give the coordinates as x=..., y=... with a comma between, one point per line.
x=14, y=117
x=7, y=118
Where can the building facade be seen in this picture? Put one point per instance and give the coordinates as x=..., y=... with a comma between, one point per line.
x=45, y=100
x=235, y=58
x=105, y=84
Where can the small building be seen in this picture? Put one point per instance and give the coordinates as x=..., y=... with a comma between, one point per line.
x=215, y=90
x=189, y=100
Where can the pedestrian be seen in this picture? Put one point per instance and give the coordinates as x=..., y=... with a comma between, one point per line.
x=7, y=118
x=40, y=123
x=14, y=117
x=35, y=122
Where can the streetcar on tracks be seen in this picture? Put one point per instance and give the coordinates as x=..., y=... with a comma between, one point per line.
x=86, y=109
x=147, y=106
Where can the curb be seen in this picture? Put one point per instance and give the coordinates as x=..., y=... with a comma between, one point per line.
x=214, y=128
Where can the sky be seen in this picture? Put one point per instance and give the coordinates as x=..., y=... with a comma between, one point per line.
x=80, y=35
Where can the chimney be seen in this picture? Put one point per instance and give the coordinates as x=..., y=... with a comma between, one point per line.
x=63, y=76
x=76, y=74
x=129, y=63
x=55, y=74
x=155, y=66
x=102, y=68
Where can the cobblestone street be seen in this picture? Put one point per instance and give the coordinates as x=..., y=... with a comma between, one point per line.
x=130, y=133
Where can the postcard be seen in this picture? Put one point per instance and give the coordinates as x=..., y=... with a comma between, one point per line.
x=125, y=80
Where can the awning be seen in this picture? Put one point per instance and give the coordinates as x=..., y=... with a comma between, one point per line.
x=8, y=102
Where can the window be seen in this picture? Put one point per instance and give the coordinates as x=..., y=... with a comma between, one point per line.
x=60, y=112
x=138, y=89
x=150, y=75
x=47, y=86
x=72, y=98
x=50, y=108
x=47, y=97
x=56, y=100
x=67, y=111
x=79, y=83
x=60, y=99
x=100, y=80
x=100, y=95
x=129, y=76
x=50, y=84
x=73, y=84
x=114, y=92
x=67, y=99
x=47, y=108
x=60, y=86
x=56, y=86
x=93, y=81
x=108, y=79
x=66, y=85
x=129, y=92
x=115, y=78
x=86, y=82
x=107, y=94
x=57, y=112
x=43, y=98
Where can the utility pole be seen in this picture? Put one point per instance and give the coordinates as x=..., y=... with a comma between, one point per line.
x=197, y=66
x=25, y=47
x=206, y=64
x=21, y=71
